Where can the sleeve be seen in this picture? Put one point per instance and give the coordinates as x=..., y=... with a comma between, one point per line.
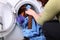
x=50, y=10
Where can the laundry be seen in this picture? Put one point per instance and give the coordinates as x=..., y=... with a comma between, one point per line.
x=20, y=19
x=33, y=34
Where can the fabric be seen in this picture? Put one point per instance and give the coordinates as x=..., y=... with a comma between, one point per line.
x=20, y=19
x=33, y=34
x=50, y=10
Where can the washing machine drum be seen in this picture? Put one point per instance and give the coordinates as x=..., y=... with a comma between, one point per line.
x=25, y=5
x=36, y=5
x=7, y=22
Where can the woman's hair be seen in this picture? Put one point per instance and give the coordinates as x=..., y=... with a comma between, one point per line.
x=43, y=2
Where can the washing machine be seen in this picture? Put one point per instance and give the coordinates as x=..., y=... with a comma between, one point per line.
x=8, y=28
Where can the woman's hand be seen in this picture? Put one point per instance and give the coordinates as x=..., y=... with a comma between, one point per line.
x=30, y=12
x=34, y=14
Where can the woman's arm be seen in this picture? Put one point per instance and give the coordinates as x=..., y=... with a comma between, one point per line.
x=50, y=10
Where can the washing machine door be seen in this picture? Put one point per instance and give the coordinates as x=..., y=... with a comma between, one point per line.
x=7, y=19
x=37, y=5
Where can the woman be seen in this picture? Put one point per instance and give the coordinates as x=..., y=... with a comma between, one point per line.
x=48, y=13
x=51, y=9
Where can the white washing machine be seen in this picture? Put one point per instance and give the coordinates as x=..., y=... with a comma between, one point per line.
x=9, y=10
